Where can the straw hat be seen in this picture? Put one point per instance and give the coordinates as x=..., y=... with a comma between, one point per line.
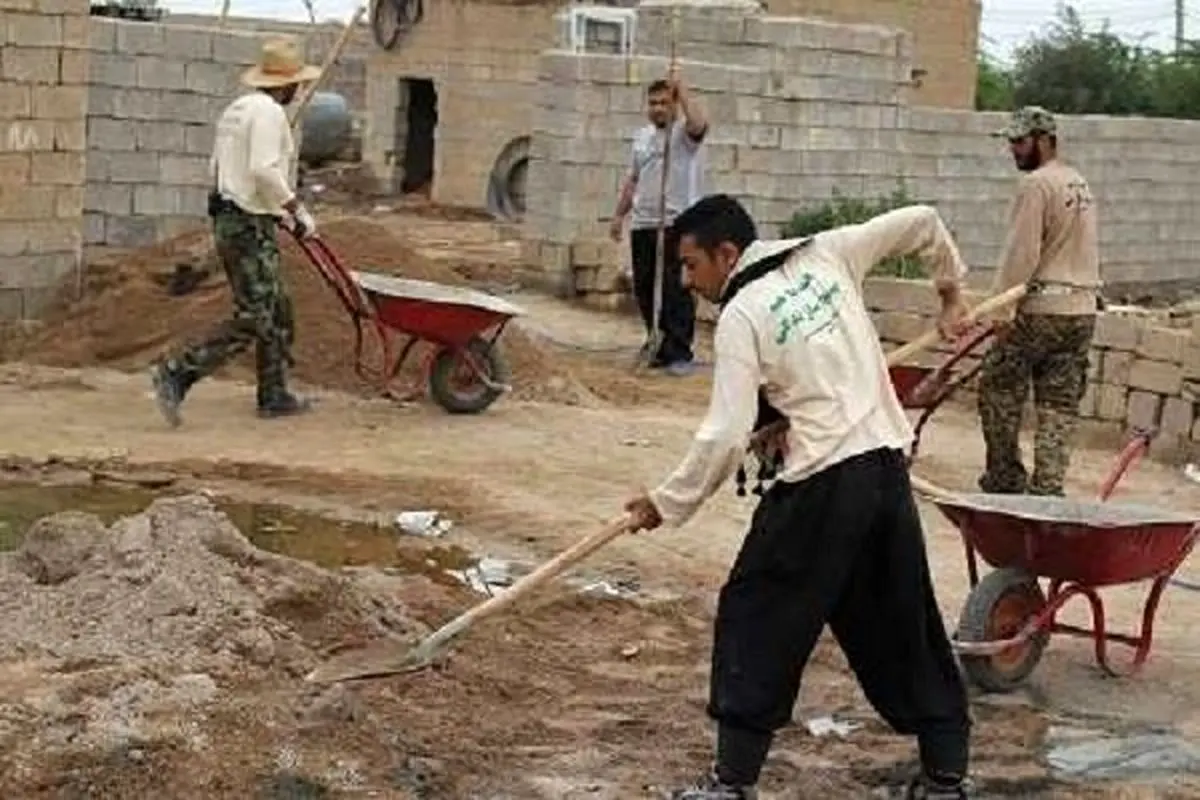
x=279, y=64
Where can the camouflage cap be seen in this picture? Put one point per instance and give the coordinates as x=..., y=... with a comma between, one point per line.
x=1028, y=121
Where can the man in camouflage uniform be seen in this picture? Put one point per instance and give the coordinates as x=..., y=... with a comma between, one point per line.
x=1052, y=247
x=252, y=192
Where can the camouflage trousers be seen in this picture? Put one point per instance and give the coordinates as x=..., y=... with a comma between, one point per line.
x=1051, y=353
x=262, y=311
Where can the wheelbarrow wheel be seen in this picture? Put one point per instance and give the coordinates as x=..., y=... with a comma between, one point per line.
x=457, y=388
x=998, y=608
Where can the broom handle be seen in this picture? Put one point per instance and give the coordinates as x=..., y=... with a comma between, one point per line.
x=334, y=53
x=546, y=572
x=932, y=337
x=660, y=248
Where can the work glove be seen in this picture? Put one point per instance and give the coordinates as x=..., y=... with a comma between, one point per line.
x=303, y=224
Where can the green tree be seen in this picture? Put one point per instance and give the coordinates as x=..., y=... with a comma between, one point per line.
x=994, y=86
x=1075, y=71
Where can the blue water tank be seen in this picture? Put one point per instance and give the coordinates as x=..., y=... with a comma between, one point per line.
x=325, y=128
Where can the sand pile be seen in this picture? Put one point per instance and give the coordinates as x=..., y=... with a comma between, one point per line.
x=127, y=317
x=114, y=628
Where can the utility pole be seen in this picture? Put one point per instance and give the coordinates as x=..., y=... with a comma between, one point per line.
x=1178, y=28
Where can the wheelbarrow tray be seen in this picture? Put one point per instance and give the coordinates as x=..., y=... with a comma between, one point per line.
x=447, y=315
x=1088, y=542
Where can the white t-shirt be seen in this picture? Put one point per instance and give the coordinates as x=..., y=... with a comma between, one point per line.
x=685, y=183
x=252, y=154
x=803, y=333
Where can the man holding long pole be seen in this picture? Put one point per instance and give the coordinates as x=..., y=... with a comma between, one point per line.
x=836, y=540
x=653, y=198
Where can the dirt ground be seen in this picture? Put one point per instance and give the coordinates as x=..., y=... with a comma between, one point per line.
x=570, y=696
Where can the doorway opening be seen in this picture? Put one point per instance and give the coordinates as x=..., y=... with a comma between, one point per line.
x=416, y=126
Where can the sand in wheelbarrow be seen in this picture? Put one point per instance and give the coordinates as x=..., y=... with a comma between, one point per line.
x=127, y=318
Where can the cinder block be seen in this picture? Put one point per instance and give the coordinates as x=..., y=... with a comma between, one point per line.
x=15, y=101
x=30, y=64
x=1117, y=332
x=1177, y=416
x=59, y=169
x=26, y=202
x=1093, y=369
x=899, y=326
x=236, y=49
x=1163, y=344
x=155, y=200
x=130, y=231
x=1156, y=376
x=113, y=69
x=188, y=44
x=133, y=167
x=894, y=294
x=14, y=239
x=154, y=72
x=73, y=67
x=52, y=236
x=110, y=134
x=164, y=137
x=1191, y=360
x=184, y=170
x=198, y=139
x=15, y=167
x=68, y=202
x=1111, y=401
x=1144, y=409
x=59, y=102
x=1115, y=365
x=77, y=32
x=37, y=271
x=210, y=78
x=140, y=39
x=43, y=29
x=102, y=35
x=109, y=199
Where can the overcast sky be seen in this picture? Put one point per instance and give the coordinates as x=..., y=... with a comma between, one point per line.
x=1006, y=23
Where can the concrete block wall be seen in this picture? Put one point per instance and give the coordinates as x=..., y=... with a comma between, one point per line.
x=828, y=108
x=154, y=93
x=1144, y=370
x=482, y=59
x=43, y=101
x=825, y=114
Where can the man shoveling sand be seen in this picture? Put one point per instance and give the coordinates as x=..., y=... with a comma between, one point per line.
x=837, y=539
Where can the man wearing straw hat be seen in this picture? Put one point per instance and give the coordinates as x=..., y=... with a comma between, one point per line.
x=252, y=192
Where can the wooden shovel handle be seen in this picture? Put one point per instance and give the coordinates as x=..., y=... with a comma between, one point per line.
x=929, y=338
x=551, y=569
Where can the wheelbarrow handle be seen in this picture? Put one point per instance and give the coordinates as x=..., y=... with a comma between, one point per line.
x=932, y=337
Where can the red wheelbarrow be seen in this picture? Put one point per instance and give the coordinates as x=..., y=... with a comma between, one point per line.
x=465, y=371
x=1078, y=547
x=924, y=389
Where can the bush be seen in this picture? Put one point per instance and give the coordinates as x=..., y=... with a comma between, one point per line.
x=843, y=210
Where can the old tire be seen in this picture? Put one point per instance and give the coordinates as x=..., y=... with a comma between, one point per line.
x=998, y=608
x=457, y=389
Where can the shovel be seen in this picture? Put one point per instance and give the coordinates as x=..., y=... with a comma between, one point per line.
x=383, y=659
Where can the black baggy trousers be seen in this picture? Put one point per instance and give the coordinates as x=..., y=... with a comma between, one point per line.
x=844, y=548
x=677, y=321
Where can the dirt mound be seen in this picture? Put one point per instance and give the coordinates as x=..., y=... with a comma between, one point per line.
x=127, y=317
x=115, y=628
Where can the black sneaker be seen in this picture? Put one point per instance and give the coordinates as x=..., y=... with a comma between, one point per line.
x=712, y=788
x=167, y=393
x=924, y=788
x=287, y=406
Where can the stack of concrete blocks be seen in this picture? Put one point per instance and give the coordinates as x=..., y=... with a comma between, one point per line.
x=43, y=97
x=799, y=109
x=1142, y=371
x=155, y=92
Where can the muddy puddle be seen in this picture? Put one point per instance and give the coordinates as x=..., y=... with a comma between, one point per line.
x=322, y=540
